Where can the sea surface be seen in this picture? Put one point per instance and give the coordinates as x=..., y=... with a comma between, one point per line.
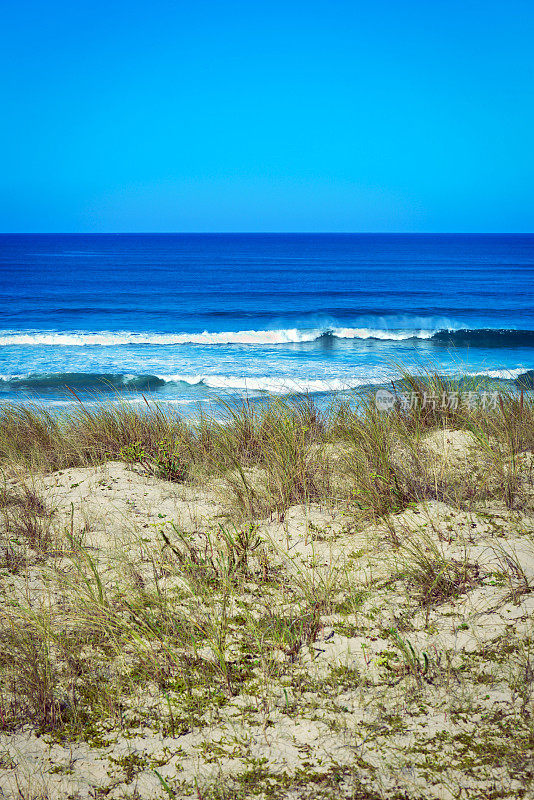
x=187, y=318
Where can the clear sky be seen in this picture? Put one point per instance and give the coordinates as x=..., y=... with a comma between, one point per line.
x=278, y=115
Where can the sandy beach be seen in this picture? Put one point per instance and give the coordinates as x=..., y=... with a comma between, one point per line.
x=169, y=638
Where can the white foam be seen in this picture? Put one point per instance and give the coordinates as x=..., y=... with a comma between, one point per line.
x=251, y=337
x=509, y=374
x=105, y=339
x=267, y=383
x=378, y=333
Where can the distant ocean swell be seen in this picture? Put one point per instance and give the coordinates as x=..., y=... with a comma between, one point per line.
x=481, y=337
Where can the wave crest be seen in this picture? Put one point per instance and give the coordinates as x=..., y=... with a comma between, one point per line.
x=272, y=384
x=250, y=337
x=479, y=337
x=102, y=382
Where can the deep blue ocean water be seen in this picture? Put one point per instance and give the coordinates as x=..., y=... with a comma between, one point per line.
x=183, y=318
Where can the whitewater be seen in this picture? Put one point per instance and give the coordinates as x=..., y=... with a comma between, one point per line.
x=187, y=318
x=107, y=339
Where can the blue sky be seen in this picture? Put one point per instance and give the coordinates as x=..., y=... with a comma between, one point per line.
x=391, y=115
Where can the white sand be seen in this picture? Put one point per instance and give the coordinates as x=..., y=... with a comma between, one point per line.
x=349, y=699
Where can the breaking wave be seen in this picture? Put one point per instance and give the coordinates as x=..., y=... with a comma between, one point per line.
x=50, y=381
x=97, y=384
x=108, y=382
x=267, y=383
x=269, y=337
x=481, y=337
x=102, y=382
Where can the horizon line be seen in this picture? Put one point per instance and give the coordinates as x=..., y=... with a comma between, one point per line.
x=266, y=233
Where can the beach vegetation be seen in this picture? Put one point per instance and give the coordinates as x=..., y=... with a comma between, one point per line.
x=278, y=601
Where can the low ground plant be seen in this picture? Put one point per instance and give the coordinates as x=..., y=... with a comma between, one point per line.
x=233, y=620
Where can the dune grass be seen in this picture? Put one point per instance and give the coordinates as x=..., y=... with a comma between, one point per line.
x=225, y=614
x=275, y=454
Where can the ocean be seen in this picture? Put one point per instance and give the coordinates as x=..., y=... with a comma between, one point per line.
x=188, y=318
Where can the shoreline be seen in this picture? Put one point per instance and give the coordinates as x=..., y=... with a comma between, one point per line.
x=94, y=389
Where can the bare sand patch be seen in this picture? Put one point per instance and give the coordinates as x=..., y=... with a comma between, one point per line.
x=187, y=653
